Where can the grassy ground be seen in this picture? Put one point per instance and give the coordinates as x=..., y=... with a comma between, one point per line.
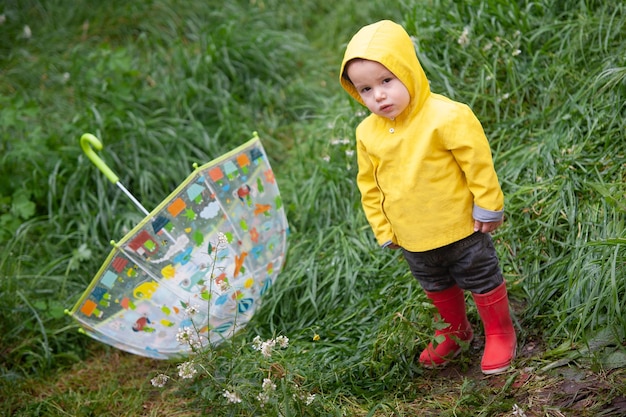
x=173, y=83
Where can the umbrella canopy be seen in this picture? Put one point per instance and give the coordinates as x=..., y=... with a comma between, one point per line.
x=202, y=259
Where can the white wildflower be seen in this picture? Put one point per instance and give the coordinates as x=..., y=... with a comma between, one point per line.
x=268, y=385
x=516, y=52
x=464, y=39
x=336, y=142
x=257, y=343
x=160, y=380
x=3, y=19
x=187, y=370
x=27, y=33
x=350, y=153
x=517, y=411
x=326, y=158
x=232, y=397
x=307, y=398
x=187, y=336
x=267, y=346
x=283, y=341
x=192, y=310
x=263, y=397
x=184, y=335
x=488, y=46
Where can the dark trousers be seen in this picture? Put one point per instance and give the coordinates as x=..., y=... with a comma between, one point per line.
x=471, y=263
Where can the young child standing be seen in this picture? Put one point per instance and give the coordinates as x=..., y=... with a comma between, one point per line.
x=429, y=187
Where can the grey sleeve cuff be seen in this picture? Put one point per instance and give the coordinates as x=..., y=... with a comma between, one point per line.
x=387, y=243
x=486, y=216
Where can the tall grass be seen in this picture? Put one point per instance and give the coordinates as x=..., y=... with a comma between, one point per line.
x=168, y=83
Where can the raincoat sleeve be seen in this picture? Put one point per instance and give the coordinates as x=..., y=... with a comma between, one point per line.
x=371, y=197
x=469, y=145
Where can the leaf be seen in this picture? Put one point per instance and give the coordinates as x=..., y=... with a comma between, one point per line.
x=22, y=206
x=83, y=253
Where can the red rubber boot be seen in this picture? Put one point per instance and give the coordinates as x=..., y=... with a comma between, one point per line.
x=500, y=339
x=450, y=304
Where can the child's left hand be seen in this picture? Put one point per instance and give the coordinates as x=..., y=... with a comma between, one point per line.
x=486, y=227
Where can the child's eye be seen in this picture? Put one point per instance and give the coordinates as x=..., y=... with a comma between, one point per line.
x=365, y=89
x=386, y=80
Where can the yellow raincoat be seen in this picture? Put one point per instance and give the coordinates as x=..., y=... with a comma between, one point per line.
x=426, y=175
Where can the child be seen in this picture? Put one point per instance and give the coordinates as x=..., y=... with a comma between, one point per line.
x=429, y=187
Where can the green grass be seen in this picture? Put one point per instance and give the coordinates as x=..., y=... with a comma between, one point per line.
x=166, y=83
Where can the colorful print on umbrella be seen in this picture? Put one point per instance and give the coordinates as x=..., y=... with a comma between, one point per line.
x=215, y=245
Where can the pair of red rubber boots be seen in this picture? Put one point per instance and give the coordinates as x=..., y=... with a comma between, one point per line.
x=493, y=308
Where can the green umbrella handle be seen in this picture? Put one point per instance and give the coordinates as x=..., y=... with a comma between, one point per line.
x=87, y=141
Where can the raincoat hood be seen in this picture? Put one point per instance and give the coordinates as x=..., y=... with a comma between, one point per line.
x=389, y=44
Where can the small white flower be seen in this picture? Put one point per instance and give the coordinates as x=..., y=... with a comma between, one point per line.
x=309, y=399
x=232, y=397
x=268, y=385
x=257, y=343
x=160, y=380
x=187, y=370
x=464, y=39
x=517, y=411
x=336, y=142
x=266, y=347
x=263, y=398
x=192, y=310
x=26, y=32
x=3, y=19
x=326, y=158
x=184, y=335
x=516, y=52
x=283, y=341
x=350, y=153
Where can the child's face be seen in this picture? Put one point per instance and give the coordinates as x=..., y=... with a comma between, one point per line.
x=382, y=92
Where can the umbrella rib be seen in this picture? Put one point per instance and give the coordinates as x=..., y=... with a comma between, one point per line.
x=140, y=206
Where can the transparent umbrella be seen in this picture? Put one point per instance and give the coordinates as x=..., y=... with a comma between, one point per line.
x=202, y=259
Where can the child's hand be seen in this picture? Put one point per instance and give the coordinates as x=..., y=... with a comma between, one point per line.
x=486, y=227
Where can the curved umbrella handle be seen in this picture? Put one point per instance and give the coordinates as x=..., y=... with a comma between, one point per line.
x=87, y=141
